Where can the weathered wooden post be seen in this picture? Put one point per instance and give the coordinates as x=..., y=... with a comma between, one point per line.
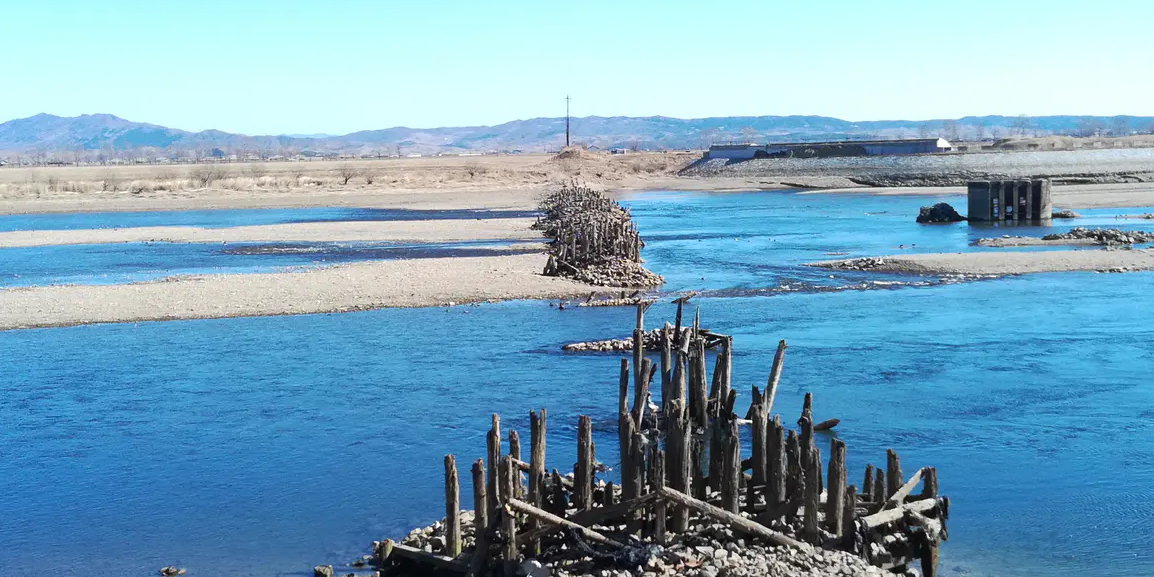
x=849, y=519
x=805, y=442
x=867, y=484
x=929, y=483
x=893, y=473
x=480, y=501
x=677, y=443
x=879, y=490
x=625, y=427
x=758, y=425
x=807, y=408
x=666, y=368
x=559, y=504
x=636, y=479
x=536, y=468
x=774, y=377
x=641, y=394
x=659, y=514
x=493, y=445
x=583, y=473
x=775, y=478
x=515, y=452
x=812, y=497
x=731, y=470
x=638, y=346
x=835, y=496
x=509, y=521
x=795, y=474
x=452, y=508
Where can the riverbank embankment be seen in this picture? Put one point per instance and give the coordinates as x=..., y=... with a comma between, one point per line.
x=1063, y=167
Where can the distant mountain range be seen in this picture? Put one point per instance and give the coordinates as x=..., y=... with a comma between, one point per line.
x=91, y=134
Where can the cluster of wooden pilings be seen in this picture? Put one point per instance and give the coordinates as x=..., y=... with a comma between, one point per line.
x=594, y=239
x=682, y=464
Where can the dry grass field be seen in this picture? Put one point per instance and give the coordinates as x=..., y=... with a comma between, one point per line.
x=221, y=181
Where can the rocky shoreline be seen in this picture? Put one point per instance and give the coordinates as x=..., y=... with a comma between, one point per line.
x=708, y=549
x=1078, y=236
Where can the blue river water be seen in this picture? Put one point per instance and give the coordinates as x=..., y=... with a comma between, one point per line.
x=264, y=446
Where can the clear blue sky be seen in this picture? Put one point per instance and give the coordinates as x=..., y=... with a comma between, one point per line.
x=336, y=66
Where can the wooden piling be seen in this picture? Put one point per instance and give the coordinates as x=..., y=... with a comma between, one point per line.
x=641, y=393
x=493, y=444
x=849, y=519
x=679, y=458
x=666, y=367
x=795, y=474
x=636, y=474
x=775, y=470
x=509, y=519
x=758, y=426
x=480, y=501
x=731, y=470
x=452, y=508
x=893, y=473
x=559, y=502
x=805, y=442
x=583, y=472
x=929, y=483
x=812, y=497
x=807, y=408
x=659, y=513
x=515, y=452
x=835, y=496
x=536, y=467
x=774, y=377
x=868, y=484
x=878, y=495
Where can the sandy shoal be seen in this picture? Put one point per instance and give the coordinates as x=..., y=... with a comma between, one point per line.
x=1007, y=263
x=345, y=231
x=358, y=286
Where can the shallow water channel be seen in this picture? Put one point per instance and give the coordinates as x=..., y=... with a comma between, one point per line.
x=264, y=446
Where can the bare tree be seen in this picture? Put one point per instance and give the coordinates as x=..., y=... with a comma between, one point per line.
x=980, y=130
x=346, y=172
x=707, y=137
x=1021, y=124
x=950, y=129
x=206, y=174
x=924, y=130
x=369, y=175
x=1120, y=126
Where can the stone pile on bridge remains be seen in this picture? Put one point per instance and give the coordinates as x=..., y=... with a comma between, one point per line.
x=595, y=240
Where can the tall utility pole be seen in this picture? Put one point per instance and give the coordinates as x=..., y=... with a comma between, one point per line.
x=567, y=120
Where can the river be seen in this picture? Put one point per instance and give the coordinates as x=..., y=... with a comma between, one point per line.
x=264, y=446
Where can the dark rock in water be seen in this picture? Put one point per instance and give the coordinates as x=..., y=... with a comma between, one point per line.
x=940, y=212
x=171, y=571
x=323, y=571
x=1067, y=213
